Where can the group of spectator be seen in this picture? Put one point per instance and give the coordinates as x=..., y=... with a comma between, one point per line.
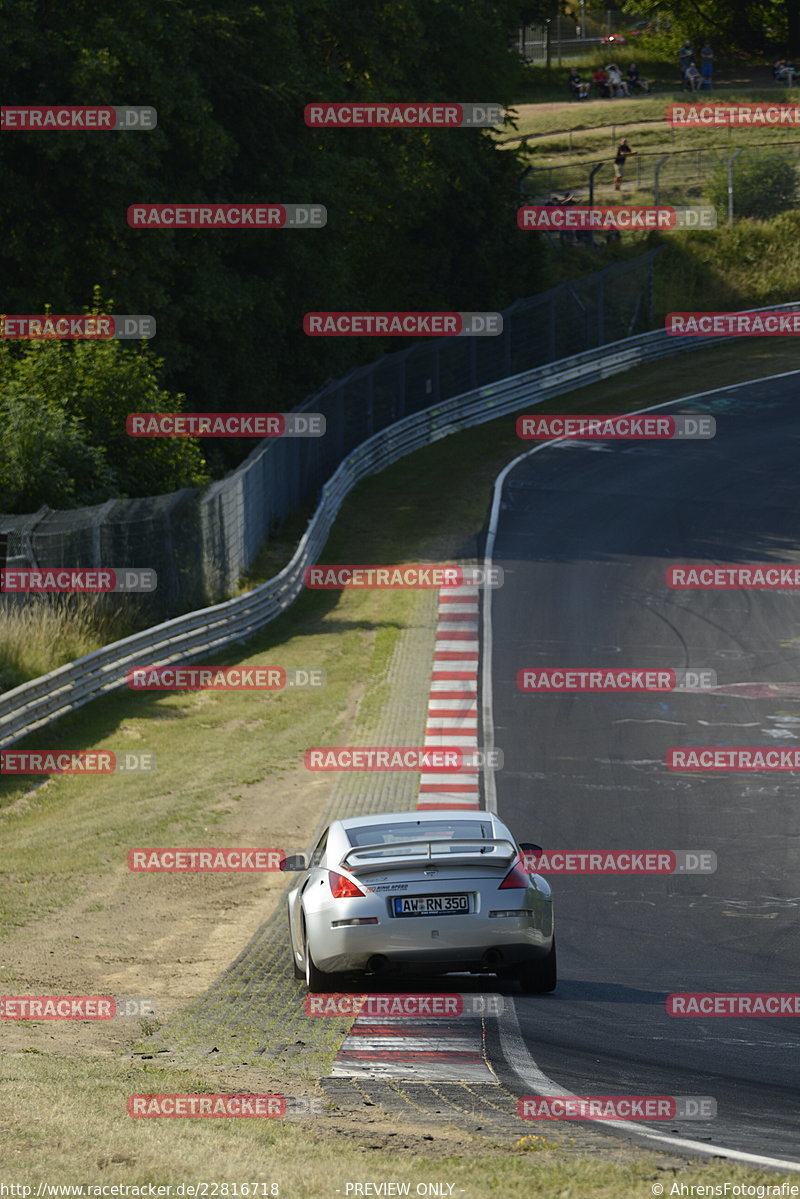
x=694, y=79
x=608, y=82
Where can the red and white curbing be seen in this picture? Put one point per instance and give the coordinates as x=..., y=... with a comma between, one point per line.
x=453, y=699
x=442, y=1050
x=414, y=1050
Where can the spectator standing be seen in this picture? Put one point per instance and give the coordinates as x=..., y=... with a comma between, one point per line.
x=623, y=153
x=707, y=64
x=685, y=56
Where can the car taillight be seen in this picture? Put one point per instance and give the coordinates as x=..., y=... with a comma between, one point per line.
x=343, y=888
x=516, y=877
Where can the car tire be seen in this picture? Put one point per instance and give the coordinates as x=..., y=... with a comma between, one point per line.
x=539, y=978
x=298, y=971
x=318, y=980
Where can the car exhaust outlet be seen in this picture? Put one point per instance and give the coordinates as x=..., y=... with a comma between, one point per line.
x=377, y=964
x=492, y=957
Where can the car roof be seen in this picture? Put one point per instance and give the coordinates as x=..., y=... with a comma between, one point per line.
x=417, y=817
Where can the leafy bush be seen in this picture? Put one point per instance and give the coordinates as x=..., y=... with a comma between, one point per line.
x=62, y=414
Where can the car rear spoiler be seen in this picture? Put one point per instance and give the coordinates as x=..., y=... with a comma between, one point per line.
x=461, y=851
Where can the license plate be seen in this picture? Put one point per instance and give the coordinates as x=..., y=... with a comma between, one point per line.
x=431, y=905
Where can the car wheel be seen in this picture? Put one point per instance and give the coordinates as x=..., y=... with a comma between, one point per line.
x=539, y=978
x=318, y=980
x=298, y=972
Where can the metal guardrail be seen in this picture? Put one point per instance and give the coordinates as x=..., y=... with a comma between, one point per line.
x=208, y=630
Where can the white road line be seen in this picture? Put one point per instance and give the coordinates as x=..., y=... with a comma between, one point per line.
x=518, y=1056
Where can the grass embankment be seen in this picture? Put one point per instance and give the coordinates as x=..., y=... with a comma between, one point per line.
x=747, y=265
x=563, y=140
x=226, y=776
x=67, y=1122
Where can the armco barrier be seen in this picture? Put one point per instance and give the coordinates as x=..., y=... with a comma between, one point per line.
x=199, y=634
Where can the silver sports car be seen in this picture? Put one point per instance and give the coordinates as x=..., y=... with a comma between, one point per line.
x=427, y=892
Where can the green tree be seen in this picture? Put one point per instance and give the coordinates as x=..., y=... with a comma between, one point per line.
x=415, y=219
x=63, y=407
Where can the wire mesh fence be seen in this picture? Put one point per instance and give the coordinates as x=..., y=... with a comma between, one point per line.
x=563, y=39
x=200, y=541
x=689, y=176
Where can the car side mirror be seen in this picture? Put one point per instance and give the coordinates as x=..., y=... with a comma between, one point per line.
x=294, y=864
x=529, y=847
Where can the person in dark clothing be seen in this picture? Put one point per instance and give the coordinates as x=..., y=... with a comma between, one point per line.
x=576, y=85
x=635, y=81
x=707, y=64
x=623, y=153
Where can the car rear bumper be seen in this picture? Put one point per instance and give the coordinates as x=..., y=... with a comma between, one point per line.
x=495, y=944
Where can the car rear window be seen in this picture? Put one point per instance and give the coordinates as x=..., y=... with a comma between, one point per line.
x=422, y=830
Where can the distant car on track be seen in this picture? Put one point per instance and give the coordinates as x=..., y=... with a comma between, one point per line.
x=420, y=892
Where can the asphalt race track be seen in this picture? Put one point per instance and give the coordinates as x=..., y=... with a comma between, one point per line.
x=585, y=534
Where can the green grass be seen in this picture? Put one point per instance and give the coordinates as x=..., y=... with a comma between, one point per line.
x=751, y=264
x=65, y=1122
x=41, y=635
